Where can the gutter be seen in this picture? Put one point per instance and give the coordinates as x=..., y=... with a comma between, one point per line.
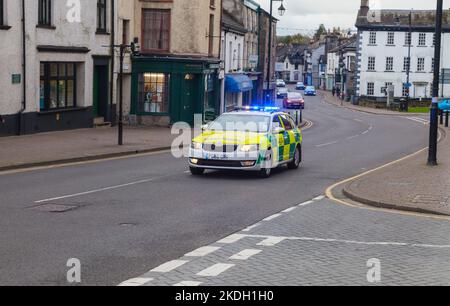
x=24, y=73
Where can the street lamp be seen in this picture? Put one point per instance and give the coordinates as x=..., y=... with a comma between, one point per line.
x=432, y=152
x=281, y=12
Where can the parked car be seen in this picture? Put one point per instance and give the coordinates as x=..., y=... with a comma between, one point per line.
x=294, y=100
x=310, y=91
x=281, y=83
x=282, y=93
x=300, y=86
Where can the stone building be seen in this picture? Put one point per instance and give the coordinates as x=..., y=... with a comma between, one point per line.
x=56, y=69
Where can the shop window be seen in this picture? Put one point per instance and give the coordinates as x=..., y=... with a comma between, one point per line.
x=57, y=85
x=154, y=93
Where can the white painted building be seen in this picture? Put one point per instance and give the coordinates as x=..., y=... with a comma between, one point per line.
x=382, y=52
x=55, y=65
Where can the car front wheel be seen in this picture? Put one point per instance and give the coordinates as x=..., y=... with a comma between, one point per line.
x=197, y=171
x=267, y=170
x=295, y=163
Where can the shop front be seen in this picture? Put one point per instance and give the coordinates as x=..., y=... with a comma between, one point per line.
x=237, y=89
x=170, y=90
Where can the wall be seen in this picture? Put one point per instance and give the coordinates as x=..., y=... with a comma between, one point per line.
x=189, y=25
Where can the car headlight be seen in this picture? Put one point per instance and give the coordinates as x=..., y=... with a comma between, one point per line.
x=196, y=145
x=249, y=148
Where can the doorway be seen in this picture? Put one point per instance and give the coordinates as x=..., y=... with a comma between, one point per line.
x=101, y=92
x=189, y=97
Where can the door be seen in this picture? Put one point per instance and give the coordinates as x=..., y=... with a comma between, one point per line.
x=188, y=101
x=289, y=140
x=421, y=91
x=100, y=91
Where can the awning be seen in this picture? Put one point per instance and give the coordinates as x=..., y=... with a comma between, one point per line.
x=238, y=83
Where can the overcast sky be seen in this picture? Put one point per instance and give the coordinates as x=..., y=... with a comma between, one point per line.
x=306, y=15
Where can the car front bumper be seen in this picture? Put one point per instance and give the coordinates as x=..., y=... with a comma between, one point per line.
x=225, y=161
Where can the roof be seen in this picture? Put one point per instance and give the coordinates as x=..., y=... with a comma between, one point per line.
x=293, y=52
x=232, y=24
x=399, y=19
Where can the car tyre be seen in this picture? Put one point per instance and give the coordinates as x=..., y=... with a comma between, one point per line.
x=295, y=163
x=267, y=171
x=197, y=171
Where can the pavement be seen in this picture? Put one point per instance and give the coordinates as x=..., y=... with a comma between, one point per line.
x=123, y=218
x=329, y=98
x=79, y=145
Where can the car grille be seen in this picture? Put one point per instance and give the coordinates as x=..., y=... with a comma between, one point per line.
x=219, y=163
x=219, y=148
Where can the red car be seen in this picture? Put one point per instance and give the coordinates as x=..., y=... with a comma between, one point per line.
x=294, y=100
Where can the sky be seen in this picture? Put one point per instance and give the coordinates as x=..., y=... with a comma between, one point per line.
x=306, y=15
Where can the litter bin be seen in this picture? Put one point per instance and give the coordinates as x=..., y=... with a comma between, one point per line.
x=404, y=105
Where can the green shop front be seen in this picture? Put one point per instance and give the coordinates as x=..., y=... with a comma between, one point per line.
x=169, y=90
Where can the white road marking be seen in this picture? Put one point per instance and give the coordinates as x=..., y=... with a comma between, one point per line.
x=419, y=120
x=365, y=132
x=101, y=189
x=135, y=282
x=358, y=120
x=188, y=284
x=248, y=229
x=271, y=241
x=319, y=198
x=326, y=144
x=203, y=251
x=232, y=239
x=215, y=270
x=352, y=137
x=169, y=266
x=305, y=203
x=245, y=254
x=272, y=217
x=290, y=209
x=370, y=128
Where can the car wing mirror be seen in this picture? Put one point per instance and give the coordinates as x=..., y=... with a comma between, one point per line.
x=278, y=130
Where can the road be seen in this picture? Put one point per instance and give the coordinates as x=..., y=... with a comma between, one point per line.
x=127, y=216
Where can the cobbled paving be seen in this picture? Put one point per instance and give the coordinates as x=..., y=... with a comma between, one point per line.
x=322, y=243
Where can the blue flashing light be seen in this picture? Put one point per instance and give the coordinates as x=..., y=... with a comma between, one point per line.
x=258, y=108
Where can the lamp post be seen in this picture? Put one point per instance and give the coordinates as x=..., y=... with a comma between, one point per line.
x=281, y=11
x=432, y=151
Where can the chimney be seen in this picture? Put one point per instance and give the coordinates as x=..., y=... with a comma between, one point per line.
x=364, y=10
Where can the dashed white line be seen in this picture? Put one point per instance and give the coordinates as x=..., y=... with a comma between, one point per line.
x=135, y=282
x=169, y=266
x=188, y=284
x=272, y=217
x=326, y=144
x=203, y=251
x=352, y=137
x=365, y=132
x=232, y=239
x=215, y=270
x=245, y=254
x=271, y=241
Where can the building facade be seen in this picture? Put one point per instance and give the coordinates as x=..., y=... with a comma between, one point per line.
x=176, y=74
x=290, y=63
x=56, y=67
x=385, y=40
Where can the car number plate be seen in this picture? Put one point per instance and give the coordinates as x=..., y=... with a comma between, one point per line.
x=216, y=156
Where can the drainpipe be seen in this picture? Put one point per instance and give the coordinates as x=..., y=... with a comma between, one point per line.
x=24, y=73
x=111, y=87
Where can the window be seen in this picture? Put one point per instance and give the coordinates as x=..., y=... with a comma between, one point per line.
x=373, y=38
x=296, y=66
x=211, y=35
x=434, y=39
x=420, y=64
x=384, y=90
x=2, y=13
x=287, y=124
x=422, y=39
x=406, y=64
x=101, y=16
x=432, y=65
x=57, y=85
x=154, y=93
x=155, y=30
x=371, y=64
x=389, y=64
x=212, y=3
x=408, y=39
x=370, y=89
x=391, y=39
x=45, y=12
x=125, y=31
x=405, y=90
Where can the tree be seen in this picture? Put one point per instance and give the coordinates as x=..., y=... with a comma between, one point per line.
x=294, y=39
x=322, y=30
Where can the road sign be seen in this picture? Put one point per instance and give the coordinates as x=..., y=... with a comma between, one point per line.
x=408, y=85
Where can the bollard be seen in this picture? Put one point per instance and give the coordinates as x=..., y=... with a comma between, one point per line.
x=301, y=116
x=296, y=118
x=446, y=119
x=441, y=114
